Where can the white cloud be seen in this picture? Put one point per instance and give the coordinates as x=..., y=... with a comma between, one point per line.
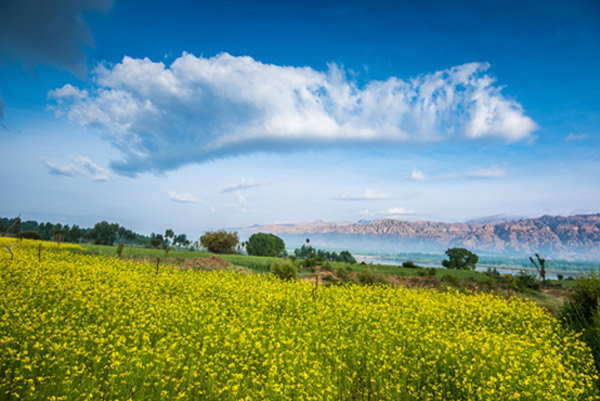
x=81, y=166
x=397, y=211
x=182, y=197
x=575, y=137
x=390, y=212
x=196, y=109
x=243, y=184
x=493, y=172
x=418, y=175
x=366, y=195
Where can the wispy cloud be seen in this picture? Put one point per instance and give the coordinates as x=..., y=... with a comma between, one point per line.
x=493, y=172
x=575, y=137
x=366, y=195
x=390, y=212
x=243, y=184
x=81, y=166
x=182, y=197
x=197, y=109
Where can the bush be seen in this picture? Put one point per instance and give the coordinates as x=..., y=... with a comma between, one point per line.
x=284, y=269
x=431, y=271
x=452, y=280
x=492, y=272
x=262, y=244
x=29, y=235
x=581, y=312
x=528, y=280
x=409, y=264
x=368, y=278
x=343, y=274
x=220, y=241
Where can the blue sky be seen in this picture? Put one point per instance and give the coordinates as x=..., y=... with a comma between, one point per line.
x=200, y=116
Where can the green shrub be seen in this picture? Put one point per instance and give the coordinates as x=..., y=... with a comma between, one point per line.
x=492, y=272
x=409, y=264
x=342, y=274
x=528, y=280
x=284, y=269
x=581, y=311
x=431, y=271
x=29, y=235
x=452, y=280
x=119, y=249
x=369, y=278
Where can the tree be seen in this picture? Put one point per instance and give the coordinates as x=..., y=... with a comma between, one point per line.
x=181, y=240
x=156, y=240
x=104, y=233
x=461, y=259
x=169, y=234
x=262, y=244
x=540, y=266
x=220, y=241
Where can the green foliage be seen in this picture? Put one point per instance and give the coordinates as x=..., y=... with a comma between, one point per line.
x=104, y=233
x=262, y=244
x=452, y=280
x=370, y=278
x=431, y=271
x=343, y=274
x=581, y=312
x=527, y=280
x=305, y=252
x=492, y=272
x=29, y=235
x=119, y=249
x=409, y=264
x=308, y=252
x=284, y=269
x=220, y=241
x=460, y=259
x=156, y=240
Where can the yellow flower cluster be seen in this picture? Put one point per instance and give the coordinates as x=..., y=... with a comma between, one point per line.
x=81, y=327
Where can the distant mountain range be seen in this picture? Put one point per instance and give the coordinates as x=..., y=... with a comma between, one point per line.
x=557, y=237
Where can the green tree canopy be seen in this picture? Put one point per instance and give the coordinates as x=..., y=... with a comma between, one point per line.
x=460, y=259
x=220, y=241
x=262, y=244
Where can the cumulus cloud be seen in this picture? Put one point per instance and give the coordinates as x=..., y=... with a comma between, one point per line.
x=575, y=137
x=182, y=197
x=367, y=195
x=243, y=184
x=197, y=109
x=46, y=32
x=81, y=166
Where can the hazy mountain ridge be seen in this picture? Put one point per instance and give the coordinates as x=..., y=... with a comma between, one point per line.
x=573, y=238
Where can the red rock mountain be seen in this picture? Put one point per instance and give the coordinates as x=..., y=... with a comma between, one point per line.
x=574, y=237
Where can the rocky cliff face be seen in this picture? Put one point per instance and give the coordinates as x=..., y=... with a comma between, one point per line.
x=572, y=238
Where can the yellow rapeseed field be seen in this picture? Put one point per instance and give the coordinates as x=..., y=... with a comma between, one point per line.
x=81, y=327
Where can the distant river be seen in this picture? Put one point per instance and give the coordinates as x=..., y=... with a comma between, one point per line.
x=377, y=260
